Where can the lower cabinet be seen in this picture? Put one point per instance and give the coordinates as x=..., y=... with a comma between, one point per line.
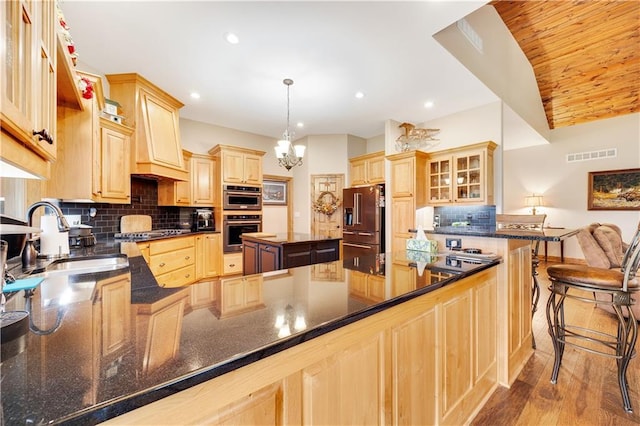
x=368, y=287
x=238, y=295
x=429, y=360
x=262, y=256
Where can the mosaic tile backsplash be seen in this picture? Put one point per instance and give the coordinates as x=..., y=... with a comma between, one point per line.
x=475, y=215
x=144, y=200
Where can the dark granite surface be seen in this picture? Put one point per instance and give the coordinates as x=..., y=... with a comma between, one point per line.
x=285, y=237
x=547, y=234
x=64, y=377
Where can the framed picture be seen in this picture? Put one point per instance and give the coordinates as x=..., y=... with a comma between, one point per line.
x=614, y=190
x=274, y=192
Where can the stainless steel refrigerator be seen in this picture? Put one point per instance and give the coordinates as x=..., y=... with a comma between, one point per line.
x=363, y=222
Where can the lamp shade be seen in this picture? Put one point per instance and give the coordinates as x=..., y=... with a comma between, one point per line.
x=533, y=201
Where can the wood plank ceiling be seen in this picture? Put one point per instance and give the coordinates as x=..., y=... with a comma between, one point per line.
x=585, y=55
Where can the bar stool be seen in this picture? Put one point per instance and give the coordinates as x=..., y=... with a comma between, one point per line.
x=618, y=286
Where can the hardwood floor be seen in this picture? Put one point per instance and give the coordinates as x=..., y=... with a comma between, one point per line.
x=587, y=391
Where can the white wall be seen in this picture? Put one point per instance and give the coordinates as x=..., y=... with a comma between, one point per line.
x=544, y=170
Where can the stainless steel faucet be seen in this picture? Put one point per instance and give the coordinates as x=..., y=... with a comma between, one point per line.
x=29, y=253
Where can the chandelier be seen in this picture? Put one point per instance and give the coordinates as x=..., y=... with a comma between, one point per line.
x=288, y=155
x=414, y=138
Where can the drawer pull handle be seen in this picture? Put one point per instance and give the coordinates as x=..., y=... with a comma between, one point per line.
x=187, y=276
x=232, y=265
x=162, y=265
x=187, y=257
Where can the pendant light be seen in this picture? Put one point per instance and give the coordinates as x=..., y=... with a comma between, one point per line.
x=288, y=155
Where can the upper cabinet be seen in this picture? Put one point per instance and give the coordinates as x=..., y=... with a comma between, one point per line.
x=198, y=191
x=367, y=169
x=93, y=154
x=157, y=150
x=239, y=165
x=462, y=175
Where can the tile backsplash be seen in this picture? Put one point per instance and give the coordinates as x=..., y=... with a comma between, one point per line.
x=144, y=200
x=475, y=215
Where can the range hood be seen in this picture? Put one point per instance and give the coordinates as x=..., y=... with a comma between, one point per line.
x=153, y=113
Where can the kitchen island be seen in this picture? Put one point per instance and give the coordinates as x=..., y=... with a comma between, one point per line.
x=135, y=353
x=264, y=252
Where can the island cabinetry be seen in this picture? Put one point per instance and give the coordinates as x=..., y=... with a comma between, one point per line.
x=239, y=165
x=197, y=191
x=265, y=255
x=368, y=287
x=237, y=295
x=172, y=261
x=94, y=148
x=408, y=193
x=429, y=360
x=367, y=169
x=462, y=175
x=154, y=114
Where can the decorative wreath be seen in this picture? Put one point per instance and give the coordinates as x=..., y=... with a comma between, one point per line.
x=324, y=205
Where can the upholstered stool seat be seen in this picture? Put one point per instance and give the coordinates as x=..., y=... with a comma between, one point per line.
x=614, y=288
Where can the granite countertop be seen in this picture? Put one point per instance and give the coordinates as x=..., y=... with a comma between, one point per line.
x=286, y=237
x=67, y=376
x=547, y=234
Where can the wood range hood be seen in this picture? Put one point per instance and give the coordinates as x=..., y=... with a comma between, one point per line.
x=156, y=148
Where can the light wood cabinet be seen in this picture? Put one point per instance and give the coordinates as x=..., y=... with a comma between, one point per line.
x=408, y=193
x=208, y=257
x=154, y=114
x=238, y=295
x=198, y=191
x=232, y=263
x=35, y=72
x=462, y=175
x=239, y=165
x=429, y=360
x=367, y=169
x=93, y=154
x=172, y=261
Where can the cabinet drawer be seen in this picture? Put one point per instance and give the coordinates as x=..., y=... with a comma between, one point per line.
x=170, y=245
x=167, y=262
x=232, y=264
x=177, y=278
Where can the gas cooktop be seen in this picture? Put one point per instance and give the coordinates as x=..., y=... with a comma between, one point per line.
x=143, y=235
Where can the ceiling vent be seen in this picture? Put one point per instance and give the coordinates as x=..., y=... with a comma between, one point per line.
x=471, y=35
x=592, y=155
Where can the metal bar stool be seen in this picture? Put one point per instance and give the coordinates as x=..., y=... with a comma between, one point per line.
x=618, y=286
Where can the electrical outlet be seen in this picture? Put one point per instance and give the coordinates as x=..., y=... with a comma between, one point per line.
x=453, y=243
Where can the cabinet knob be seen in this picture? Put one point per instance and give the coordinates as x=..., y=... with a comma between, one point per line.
x=187, y=257
x=162, y=265
x=232, y=265
x=187, y=275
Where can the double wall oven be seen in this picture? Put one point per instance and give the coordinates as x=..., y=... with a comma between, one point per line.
x=242, y=207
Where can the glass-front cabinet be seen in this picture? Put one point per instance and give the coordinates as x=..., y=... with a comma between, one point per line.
x=462, y=175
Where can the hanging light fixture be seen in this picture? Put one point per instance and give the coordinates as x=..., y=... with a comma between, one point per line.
x=288, y=155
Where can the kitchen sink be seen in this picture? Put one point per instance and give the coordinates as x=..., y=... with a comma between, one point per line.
x=87, y=265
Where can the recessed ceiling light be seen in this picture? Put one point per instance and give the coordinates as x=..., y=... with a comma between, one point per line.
x=300, y=124
x=231, y=38
x=428, y=104
x=195, y=95
x=359, y=95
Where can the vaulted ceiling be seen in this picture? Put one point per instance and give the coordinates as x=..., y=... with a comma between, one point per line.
x=585, y=55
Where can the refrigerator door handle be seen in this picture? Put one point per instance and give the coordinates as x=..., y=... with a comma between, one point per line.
x=348, y=232
x=357, y=245
x=357, y=200
x=366, y=234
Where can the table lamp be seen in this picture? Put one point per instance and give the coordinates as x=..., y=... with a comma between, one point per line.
x=533, y=201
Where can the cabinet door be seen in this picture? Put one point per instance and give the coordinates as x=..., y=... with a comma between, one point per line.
x=403, y=213
x=269, y=258
x=115, y=179
x=253, y=169
x=469, y=177
x=403, y=178
x=375, y=170
x=19, y=33
x=212, y=255
x=253, y=291
x=440, y=184
x=250, y=258
x=358, y=171
x=113, y=308
x=202, y=181
x=233, y=167
x=160, y=122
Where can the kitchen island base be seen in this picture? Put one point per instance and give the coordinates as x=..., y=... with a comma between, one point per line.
x=430, y=360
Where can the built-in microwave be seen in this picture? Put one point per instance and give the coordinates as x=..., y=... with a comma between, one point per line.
x=237, y=197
